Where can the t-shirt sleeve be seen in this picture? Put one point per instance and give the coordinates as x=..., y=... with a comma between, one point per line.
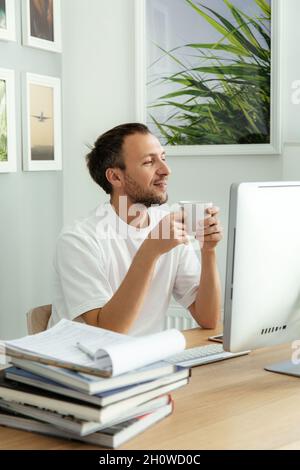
x=81, y=272
x=187, y=276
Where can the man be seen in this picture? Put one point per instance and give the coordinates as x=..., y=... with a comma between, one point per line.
x=117, y=268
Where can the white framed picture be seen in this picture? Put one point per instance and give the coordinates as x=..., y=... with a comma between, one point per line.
x=42, y=145
x=7, y=20
x=8, y=157
x=208, y=75
x=42, y=24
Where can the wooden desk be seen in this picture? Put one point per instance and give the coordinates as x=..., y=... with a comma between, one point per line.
x=234, y=404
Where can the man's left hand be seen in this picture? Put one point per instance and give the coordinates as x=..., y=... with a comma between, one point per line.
x=209, y=231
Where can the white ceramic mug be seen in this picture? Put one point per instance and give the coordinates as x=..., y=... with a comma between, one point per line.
x=194, y=212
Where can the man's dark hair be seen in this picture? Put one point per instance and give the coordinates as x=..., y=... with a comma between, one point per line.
x=107, y=152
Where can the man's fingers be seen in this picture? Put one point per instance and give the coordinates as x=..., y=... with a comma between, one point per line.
x=212, y=210
x=206, y=234
x=180, y=232
x=208, y=222
x=212, y=229
x=179, y=226
x=215, y=237
x=178, y=216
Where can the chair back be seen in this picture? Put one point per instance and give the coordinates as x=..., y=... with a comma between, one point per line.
x=37, y=319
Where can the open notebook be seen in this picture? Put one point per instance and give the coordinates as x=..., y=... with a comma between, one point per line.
x=94, y=350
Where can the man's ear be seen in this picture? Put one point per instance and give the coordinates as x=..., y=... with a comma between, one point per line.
x=115, y=177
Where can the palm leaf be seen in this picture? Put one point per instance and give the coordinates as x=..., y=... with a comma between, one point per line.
x=212, y=98
x=242, y=24
x=234, y=32
x=265, y=7
x=222, y=47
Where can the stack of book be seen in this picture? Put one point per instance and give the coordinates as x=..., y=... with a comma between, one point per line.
x=101, y=396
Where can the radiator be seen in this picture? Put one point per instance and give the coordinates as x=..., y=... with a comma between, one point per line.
x=179, y=318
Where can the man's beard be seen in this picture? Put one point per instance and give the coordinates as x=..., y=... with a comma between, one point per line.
x=140, y=196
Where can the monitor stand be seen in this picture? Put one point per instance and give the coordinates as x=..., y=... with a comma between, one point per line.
x=286, y=367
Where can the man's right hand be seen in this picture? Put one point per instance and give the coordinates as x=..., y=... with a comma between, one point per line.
x=167, y=234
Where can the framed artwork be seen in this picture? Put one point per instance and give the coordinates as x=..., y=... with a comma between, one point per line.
x=7, y=20
x=8, y=160
x=41, y=123
x=208, y=75
x=42, y=24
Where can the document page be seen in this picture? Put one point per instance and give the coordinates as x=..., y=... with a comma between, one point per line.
x=112, y=351
x=143, y=350
x=60, y=342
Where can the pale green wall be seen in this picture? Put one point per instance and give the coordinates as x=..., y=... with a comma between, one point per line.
x=30, y=208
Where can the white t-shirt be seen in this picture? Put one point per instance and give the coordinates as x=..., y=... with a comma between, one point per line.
x=93, y=257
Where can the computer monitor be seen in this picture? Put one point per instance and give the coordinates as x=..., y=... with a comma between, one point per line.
x=262, y=289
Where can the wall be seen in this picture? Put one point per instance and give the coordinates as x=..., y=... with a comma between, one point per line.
x=30, y=208
x=98, y=93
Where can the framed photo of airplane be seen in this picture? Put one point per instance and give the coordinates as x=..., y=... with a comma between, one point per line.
x=8, y=158
x=7, y=20
x=42, y=143
x=42, y=24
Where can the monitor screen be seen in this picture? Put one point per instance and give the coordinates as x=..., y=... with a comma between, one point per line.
x=262, y=289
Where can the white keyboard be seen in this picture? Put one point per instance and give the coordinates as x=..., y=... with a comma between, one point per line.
x=202, y=355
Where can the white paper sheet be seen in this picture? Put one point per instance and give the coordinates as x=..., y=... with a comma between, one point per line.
x=144, y=350
x=124, y=353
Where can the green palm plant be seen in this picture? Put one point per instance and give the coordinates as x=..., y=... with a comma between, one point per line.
x=227, y=101
x=3, y=123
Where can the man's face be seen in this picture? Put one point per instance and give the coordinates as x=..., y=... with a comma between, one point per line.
x=146, y=173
